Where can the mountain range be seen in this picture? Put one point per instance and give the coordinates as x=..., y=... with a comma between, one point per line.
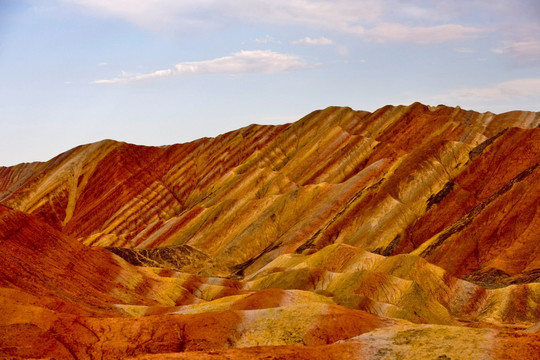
x=409, y=232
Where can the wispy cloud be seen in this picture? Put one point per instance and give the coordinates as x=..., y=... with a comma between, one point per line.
x=444, y=11
x=372, y=20
x=343, y=50
x=504, y=96
x=390, y=32
x=253, y=61
x=316, y=41
x=523, y=87
x=129, y=77
x=369, y=19
x=160, y=13
x=267, y=40
x=464, y=50
x=516, y=94
x=524, y=51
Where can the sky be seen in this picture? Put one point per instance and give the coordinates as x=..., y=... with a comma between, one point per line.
x=157, y=72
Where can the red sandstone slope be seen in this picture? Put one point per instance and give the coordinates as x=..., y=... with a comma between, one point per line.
x=303, y=234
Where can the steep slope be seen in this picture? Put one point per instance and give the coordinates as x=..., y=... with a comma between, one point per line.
x=407, y=229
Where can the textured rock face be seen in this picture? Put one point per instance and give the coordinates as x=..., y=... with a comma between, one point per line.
x=354, y=234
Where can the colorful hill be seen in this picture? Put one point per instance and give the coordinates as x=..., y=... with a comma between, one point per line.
x=347, y=234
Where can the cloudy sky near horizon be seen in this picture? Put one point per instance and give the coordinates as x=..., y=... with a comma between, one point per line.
x=159, y=72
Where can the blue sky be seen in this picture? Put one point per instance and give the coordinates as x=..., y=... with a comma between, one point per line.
x=158, y=72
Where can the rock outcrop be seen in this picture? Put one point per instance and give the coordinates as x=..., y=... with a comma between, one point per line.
x=410, y=230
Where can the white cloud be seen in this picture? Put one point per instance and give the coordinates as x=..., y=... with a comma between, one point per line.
x=390, y=32
x=129, y=77
x=309, y=41
x=254, y=61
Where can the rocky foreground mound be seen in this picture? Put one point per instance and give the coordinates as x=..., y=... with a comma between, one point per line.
x=410, y=232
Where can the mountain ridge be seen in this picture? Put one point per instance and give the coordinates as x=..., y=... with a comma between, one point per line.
x=421, y=223
x=73, y=205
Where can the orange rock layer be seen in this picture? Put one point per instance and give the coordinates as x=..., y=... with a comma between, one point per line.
x=347, y=232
